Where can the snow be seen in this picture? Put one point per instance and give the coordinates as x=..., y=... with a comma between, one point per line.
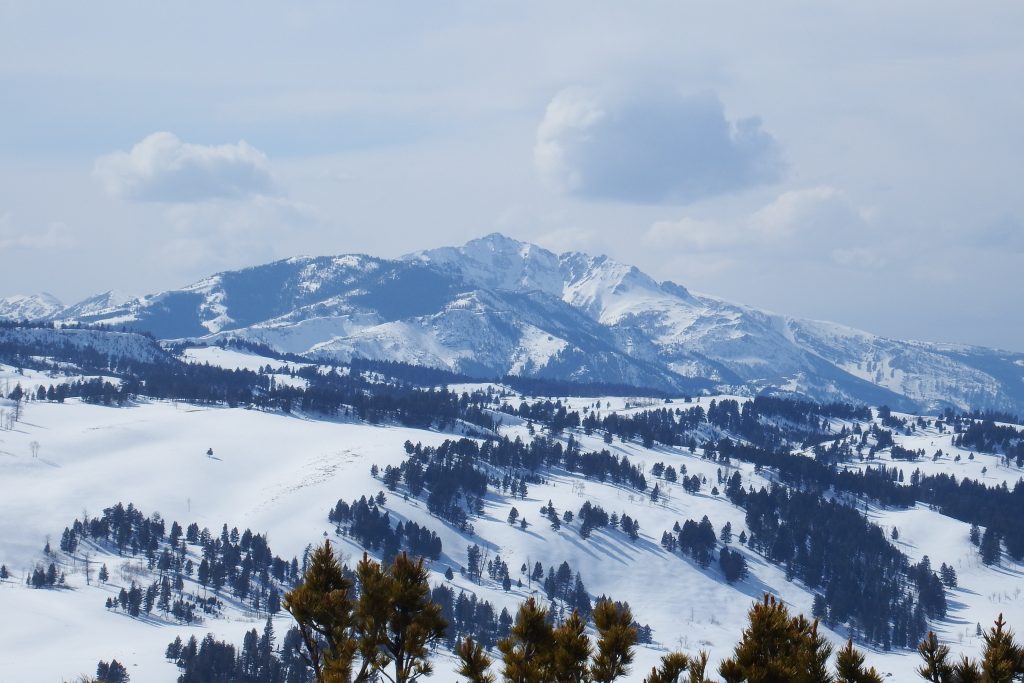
x=235, y=359
x=500, y=262
x=30, y=306
x=280, y=474
x=653, y=329
x=113, y=344
x=536, y=349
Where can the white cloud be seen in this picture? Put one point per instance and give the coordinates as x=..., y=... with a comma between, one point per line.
x=802, y=219
x=650, y=147
x=817, y=211
x=54, y=235
x=218, y=235
x=162, y=168
x=866, y=258
x=690, y=233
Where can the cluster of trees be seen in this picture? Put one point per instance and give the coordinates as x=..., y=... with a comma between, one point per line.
x=771, y=422
x=732, y=564
x=111, y=672
x=239, y=563
x=94, y=390
x=866, y=581
x=997, y=508
x=259, y=660
x=368, y=522
x=566, y=589
x=696, y=539
x=455, y=475
x=592, y=517
x=775, y=647
x=470, y=617
x=40, y=577
x=988, y=437
x=165, y=377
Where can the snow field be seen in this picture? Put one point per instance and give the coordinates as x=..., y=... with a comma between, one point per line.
x=280, y=474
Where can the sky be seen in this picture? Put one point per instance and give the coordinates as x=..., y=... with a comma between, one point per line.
x=854, y=162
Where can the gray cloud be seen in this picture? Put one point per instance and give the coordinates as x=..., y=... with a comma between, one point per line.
x=162, y=168
x=651, y=148
x=1005, y=233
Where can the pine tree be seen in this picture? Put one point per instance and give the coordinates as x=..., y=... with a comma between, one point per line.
x=526, y=653
x=1003, y=659
x=572, y=650
x=322, y=607
x=616, y=638
x=990, y=547
x=936, y=667
x=778, y=648
x=475, y=663
x=673, y=666
x=850, y=667
x=397, y=620
x=966, y=671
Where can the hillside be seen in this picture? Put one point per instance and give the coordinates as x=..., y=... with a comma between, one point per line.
x=280, y=474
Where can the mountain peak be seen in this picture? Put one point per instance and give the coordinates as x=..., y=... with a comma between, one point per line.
x=496, y=261
x=496, y=305
x=41, y=306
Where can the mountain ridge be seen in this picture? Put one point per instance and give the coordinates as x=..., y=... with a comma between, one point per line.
x=498, y=306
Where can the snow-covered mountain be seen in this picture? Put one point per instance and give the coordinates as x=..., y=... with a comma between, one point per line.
x=30, y=307
x=498, y=306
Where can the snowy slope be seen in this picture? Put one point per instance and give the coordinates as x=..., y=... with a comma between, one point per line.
x=497, y=306
x=280, y=474
x=45, y=341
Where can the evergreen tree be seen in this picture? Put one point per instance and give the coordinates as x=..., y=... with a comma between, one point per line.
x=673, y=666
x=778, y=648
x=936, y=667
x=396, y=619
x=114, y=672
x=990, y=546
x=1003, y=660
x=850, y=666
x=474, y=662
x=322, y=606
x=616, y=637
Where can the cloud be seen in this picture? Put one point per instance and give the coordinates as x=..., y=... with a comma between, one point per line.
x=866, y=258
x=797, y=219
x=819, y=211
x=650, y=148
x=1005, y=234
x=224, y=234
x=691, y=233
x=55, y=235
x=162, y=168
x=566, y=239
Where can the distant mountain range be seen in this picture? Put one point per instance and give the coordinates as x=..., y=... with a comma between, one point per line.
x=497, y=306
